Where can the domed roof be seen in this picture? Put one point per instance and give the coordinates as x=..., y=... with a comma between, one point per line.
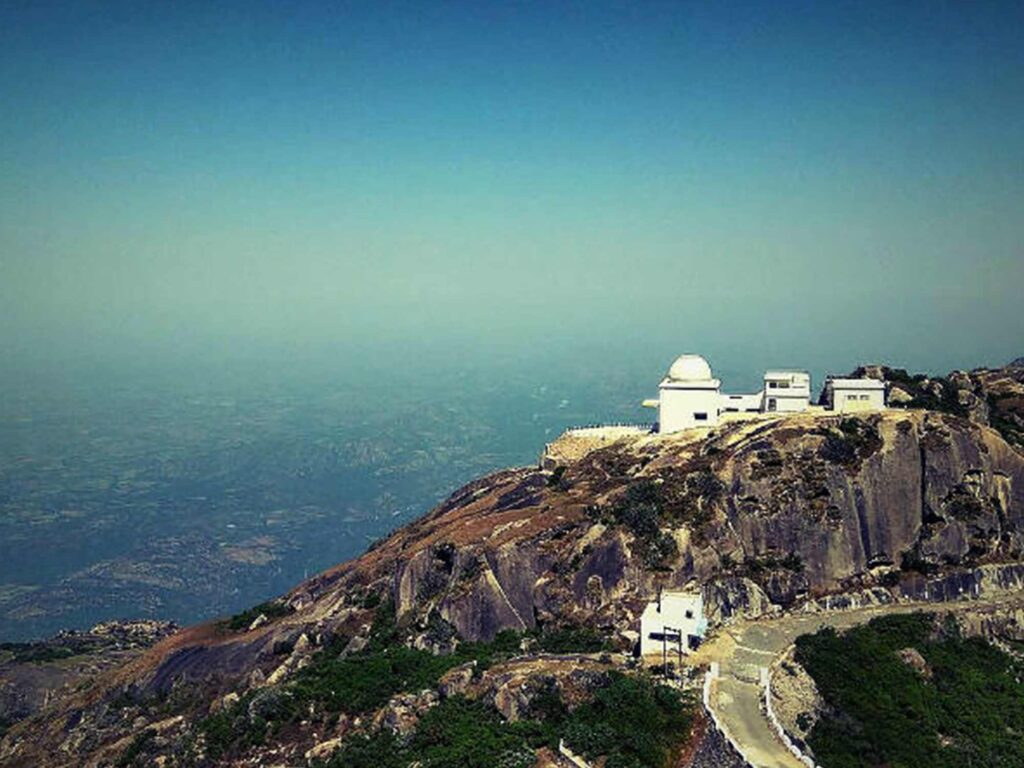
x=690, y=368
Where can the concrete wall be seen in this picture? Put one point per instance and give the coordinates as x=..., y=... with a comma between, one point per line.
x=786, y=401
x=680, y=610
x=856, y=400
x=741, y=403
x=790, y=391
x=677, y=408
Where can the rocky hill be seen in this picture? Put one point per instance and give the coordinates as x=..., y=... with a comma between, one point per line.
x=763, y=515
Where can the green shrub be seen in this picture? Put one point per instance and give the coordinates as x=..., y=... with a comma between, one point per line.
x=234, y=730
x=967, y=709
x=36, y=653
x=456, y=734
x=853, y=441
x=377, y=750
x=272, y=610
x=137, y=749
x=558, y=481
x=365, y=681
x=573, y=640
x=632, y=721
x=681, y=498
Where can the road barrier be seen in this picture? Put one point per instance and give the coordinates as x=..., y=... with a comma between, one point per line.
x=766, y=684
x=711, y=675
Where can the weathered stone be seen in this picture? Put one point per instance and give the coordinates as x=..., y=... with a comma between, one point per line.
x=324, y=750
x=456, y=681
x=402, y=712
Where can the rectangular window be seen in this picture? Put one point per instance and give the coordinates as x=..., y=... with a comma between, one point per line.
x=851, y=397
x=700, y=417
x=772, y=384
x=672, y=637
x=783, y=385
x=689, y=614
x=864, y=397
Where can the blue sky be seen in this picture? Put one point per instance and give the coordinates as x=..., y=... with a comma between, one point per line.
x=786, y=177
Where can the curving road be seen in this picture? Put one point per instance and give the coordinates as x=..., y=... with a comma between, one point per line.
x=746, y=647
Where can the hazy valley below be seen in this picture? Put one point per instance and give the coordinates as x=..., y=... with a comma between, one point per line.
x=156, y=494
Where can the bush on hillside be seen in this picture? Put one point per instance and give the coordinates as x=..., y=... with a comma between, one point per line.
x=968, y=709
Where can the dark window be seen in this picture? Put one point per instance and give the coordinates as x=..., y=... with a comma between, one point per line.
x=689, y=614
x=700, y=416
x=672, y=637
x=771, y=404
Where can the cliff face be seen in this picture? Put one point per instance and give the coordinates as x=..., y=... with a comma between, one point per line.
x=761, y=514
x=782, y=510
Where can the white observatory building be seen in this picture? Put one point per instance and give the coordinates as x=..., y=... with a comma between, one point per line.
x=689, y=396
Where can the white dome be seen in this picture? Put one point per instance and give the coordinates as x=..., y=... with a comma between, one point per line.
x=690, y=368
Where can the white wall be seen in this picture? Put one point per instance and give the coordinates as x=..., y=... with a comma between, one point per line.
x=677, y=408
x=787, y=392
x=854, y=400
x=785, y=401
x=741, y=403
x=681, y=610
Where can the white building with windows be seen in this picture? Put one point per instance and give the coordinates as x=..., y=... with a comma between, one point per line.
x=674, y=619
x=786, y=391
x=853, y=395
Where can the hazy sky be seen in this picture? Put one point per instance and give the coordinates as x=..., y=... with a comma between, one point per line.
x=800, y=179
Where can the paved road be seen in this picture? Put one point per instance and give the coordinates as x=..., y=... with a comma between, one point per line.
x=747, y=646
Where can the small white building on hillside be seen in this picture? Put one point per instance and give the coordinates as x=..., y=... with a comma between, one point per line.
x=853, y=395
x=786, y=391
x=674, y=618
x=688, y=396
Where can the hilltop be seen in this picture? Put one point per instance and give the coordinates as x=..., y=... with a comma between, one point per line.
x=518, y=598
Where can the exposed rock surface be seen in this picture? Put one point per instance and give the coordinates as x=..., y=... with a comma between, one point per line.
x=795, y=699
x=712, y=750
x=34, y=674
